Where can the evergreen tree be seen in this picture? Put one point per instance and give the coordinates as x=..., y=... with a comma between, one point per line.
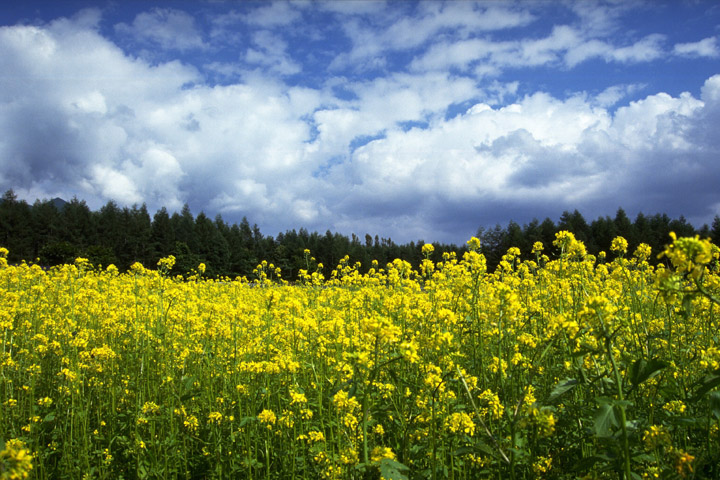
x=45, y=224
x=715, y=230
x=547, y=234
x=183, y=225
x=212, y=246
x=162, y=235
x=603, y=231
x=77, y=225
x=110, y=227
x=16, y=232
x=623, y=225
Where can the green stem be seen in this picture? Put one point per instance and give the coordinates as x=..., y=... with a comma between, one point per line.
x=620, y=408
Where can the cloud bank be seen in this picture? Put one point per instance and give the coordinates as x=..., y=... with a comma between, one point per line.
x=416, y=125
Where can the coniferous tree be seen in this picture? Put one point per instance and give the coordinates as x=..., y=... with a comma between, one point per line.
x=547, y=233
x=162, y=235
x=16, y=232
x=110, y=228
x=715, y=230
x=77, y=225
x=45, y=223
x=212, y=247
x=623, y=225
x=603, y=231
x=184, y=227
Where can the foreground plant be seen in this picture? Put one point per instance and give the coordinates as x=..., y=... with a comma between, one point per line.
x=572, y=367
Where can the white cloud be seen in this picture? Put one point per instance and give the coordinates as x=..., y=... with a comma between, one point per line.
x=166, y=27
x=352, y=7
x=395, y=32
x=613, y=94
x=115, y=185
x=564, y=44
x=273, y=14
x=410, y=153
x=540, y=150
x=603, y=18
x=271, y=52
x=644, y=50
x=707, y=47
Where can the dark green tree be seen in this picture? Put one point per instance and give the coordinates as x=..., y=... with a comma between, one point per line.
x=45, y=221
x=16, y=232
x=162, y=235
x=77, y=225
x=212, y=247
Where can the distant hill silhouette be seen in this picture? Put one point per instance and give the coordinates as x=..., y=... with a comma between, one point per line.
x=58, y=203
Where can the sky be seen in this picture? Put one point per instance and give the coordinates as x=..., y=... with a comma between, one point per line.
x=403, y=119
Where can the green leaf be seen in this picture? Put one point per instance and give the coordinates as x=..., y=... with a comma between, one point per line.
x=392, y=469
x=708, y=382
x=643, y=370
x=190, y=394
x=245, y=420
x=715, y=404
x=563, y=387
x=604, y=419
x=588, y=463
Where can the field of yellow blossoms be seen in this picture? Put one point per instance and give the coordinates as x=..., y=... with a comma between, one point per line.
x=567, y=366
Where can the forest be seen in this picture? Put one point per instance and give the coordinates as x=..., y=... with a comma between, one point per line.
x=54, y=232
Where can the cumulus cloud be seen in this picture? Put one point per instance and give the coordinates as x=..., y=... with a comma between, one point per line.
x=167, y=28
x=538, y=152
x=273, y=14
x=426, y=147
x=707, y=47
x=433, y=19
x=270, y=51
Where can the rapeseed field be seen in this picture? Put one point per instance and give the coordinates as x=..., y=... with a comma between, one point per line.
x=566, y=366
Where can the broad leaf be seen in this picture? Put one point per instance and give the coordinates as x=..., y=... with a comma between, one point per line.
x=715, y=404
x=604, y=419
x=707, y=383
x=392, y=469
x=563, y=387
x=643, y=370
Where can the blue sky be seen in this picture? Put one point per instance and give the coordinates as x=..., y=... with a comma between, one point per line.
x=410, y=120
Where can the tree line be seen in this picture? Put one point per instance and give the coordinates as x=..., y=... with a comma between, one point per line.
x=53, y=232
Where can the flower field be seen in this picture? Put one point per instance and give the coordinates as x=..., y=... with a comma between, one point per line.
x=566, y=366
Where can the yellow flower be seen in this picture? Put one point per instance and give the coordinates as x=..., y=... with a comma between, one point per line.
x=267, y=417
x=619, y=245
x=15, y=460
x=460, y=422
x=166, y=263
x=379, y=453
x=683, y=462
x=191, y=423
x=316, y=436
x=675, y=406
x=150, y=408
x=297, y=397
x=542, y=465
x=642, y=252
x=137, y=268
x=656, y=437
x=473, y=244
x=537, y=247
x=688, y=255
x=215, y=418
